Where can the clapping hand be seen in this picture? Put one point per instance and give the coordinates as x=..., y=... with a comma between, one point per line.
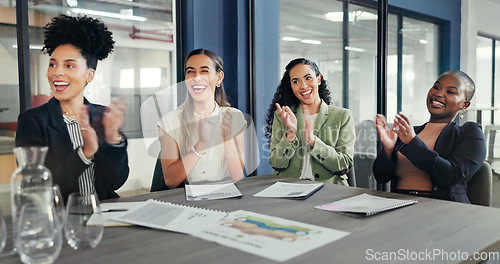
x=204, y=132
x=113, y=120
x=289, y=120
x=403, y=128
x=226, y=125
x=308, y=127
x=90, y=141
x=387, y=136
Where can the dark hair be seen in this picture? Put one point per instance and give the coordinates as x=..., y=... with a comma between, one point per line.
x=284, y=94
x=470, y=87
x=89, y=35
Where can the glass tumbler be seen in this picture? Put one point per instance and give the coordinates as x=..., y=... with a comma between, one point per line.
x=39, y=237
x=84, y=222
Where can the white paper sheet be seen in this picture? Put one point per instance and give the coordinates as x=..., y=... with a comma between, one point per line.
x=171, y=217
x=290, y=190
x=211, y=191
x=110, y=210
x=267, y=236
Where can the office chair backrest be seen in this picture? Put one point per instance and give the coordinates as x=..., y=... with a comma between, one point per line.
x=479, y=187
x=351, y=177
x=365, y=152
x=158, y=183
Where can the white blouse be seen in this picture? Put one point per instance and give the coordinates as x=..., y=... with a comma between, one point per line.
x=212, y=166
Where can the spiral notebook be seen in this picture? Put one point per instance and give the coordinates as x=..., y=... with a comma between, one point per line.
x=365, y=205
x=212, y=191
x=171, y=217
x=290, y=190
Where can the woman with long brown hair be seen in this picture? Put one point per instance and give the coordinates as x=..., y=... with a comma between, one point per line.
x=202, y=140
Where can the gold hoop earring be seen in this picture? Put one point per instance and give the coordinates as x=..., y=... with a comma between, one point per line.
x=462, y=112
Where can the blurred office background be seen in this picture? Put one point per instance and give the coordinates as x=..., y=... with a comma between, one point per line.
x=256, y=39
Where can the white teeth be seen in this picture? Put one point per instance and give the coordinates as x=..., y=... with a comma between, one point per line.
x=306, y=93
x=198, y=87
x=61, y=83
x=437, y=103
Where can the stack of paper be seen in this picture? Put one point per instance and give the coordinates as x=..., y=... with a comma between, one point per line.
x=212, y=191
x=290, y=190
x=364, y=205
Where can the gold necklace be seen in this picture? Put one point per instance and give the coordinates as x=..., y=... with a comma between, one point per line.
x=70, y=114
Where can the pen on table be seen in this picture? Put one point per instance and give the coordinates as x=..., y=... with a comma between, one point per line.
x=115, y=210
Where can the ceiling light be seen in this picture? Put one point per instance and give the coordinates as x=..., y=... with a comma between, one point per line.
x=72, y=3
x=33, y=47
x=107, y=14
x=423, y=41
x=353, y=15
x=354, y=49
x=290, y=39
x=311, y=41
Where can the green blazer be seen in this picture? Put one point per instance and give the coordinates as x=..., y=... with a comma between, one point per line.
x=333, y=150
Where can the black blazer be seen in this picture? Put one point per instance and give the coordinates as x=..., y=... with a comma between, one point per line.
x=458, y=153
x=45, y=126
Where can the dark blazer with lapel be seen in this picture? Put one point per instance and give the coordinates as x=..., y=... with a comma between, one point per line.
x=458, y=153
x=45, y=126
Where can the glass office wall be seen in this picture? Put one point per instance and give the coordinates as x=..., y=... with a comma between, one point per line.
x=315, y=32
x=420, y=67
x=143, y=63
x=9, y=87
x=363, y=62
x=487, y=102
x=483, y=80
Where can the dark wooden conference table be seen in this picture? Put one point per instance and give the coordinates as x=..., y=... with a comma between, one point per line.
x=431, y=230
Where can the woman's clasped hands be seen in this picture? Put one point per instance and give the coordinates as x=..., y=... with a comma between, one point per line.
x=290, y=122
x=401, y=129
x=113, y=120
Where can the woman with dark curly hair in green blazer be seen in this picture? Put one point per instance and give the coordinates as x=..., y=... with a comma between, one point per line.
x=309, y=139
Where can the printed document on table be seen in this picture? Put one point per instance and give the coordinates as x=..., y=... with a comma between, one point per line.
x=171, y=217
x=290, y=190
x=211, y=191
x=267, y=236
x=365, y=205
x=110, y=210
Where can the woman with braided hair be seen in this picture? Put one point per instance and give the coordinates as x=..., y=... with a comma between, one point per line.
x=87, y=152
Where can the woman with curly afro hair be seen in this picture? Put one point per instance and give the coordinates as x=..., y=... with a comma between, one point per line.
x=87, y=152
x=309, y=139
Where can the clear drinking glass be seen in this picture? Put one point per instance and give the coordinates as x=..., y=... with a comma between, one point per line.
x=39, y=237
x=84, y=221
x=31, y=177
x=3, y=232
x=59, y=205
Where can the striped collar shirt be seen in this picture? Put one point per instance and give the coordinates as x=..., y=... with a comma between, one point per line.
x=86, y=180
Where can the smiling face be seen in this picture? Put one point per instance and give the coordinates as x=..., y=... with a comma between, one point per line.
x=202, y=78
x=68, y=73
x=305, y=84
x=446, y=98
